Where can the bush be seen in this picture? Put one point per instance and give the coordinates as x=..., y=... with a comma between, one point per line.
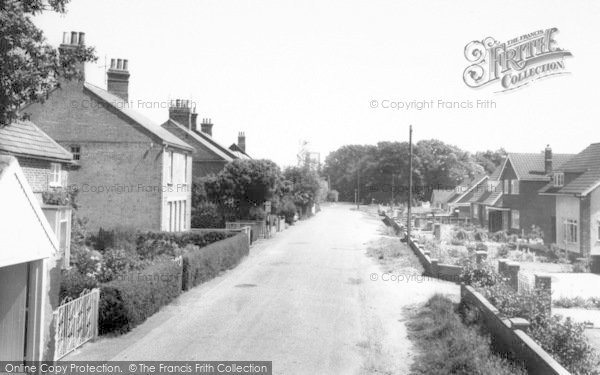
x=73, y=283
x=206, y=215
x=577, y=302
x=564, y=340
x=451, y=347
x=582, y=266
x=478, y=274
x=104, y=239
x=203, y=264
x=87, y=262
x=130, y=299
x=117, y=262
x=288, y=210
x=154, y=244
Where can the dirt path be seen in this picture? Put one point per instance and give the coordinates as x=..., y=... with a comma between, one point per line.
x=311, y=300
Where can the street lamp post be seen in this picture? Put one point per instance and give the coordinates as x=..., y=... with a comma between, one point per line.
x=410, y=182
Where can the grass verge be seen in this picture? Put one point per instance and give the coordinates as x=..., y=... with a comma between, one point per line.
x=448, y=346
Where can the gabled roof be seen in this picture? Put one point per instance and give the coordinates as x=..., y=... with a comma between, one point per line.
x=442, y=196
x=26, y=234
x=587, y=165
x=467, y=188
x=24, y=138
x=227, y=156
x=238, y=151
x=530, y=167
x=216, y=144
x=583, y=161
x=147, y=124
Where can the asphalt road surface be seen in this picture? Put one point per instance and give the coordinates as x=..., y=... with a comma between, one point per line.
x=304, y=299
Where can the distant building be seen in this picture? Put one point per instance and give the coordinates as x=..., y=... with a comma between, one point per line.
x=209, y=156
x=131, y=172
x=576, y=187
x=440, y=199
x=460, y=203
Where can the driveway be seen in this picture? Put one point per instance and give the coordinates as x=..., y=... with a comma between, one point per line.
x=303, y=299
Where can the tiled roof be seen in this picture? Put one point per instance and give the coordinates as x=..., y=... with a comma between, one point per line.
x=467, y=189
x=141, y=120
x=24, y=138
x=202, y=140
x=584, y=183
x=530, y=167
x=441, y=196
x=238, y=151
x=584, y=161
x=216, y=144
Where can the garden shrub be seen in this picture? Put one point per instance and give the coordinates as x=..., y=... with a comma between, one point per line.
x=203, y=264
x=288, y=210
x=451, y=347
x=86, y=261
x=104, y=239
x=333, y=195
x=577, y=302
x=582, y=266
x=500, y=236
x=206, y=215
x=131, y=298
x=73, y=283
x=483, y=274
x=117, y=262
x=153, y=244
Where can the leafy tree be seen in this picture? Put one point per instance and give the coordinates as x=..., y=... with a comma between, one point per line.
x=490, y=160
x=305, y=185
x=29, y=66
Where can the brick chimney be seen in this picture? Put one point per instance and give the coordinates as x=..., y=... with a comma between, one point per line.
x=242, y=141
x=117, y=78
x=548, y=160
x=183, y=112
x=206, y=126
x=71, y=41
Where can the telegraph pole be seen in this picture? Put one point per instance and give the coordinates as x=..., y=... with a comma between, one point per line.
x=392, y=190
x=358, y=187
x=410, y=182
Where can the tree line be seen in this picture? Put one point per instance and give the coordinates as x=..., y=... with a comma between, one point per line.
x=378, y=172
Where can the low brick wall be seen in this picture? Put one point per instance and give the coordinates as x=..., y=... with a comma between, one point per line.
x=508, y=337
x=433, y=268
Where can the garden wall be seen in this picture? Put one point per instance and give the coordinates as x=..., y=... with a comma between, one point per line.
x=509, y=338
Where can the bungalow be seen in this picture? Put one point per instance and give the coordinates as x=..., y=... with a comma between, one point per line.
x=576, y=187
x=28, y=285
x=130, y=172
x=485, y=199
x=209, y=155
x=460, y=203
x=521, y=177
x=439, y=199
x=46, y=166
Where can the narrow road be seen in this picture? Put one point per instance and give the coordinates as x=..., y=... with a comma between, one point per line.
x=303, y=299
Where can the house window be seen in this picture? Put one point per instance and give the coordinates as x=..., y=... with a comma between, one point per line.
x=515, y=219
x=76, y=151
x=170, y=167
x=55, y=176
x=598, y=228
x=185, y=168
x=506, y=186
x=514, y=187
x=184, y=221
x=475, y=211
x=571, y=229
x=559, y=180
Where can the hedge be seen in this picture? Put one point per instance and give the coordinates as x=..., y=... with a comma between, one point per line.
x=202, y=264
x=131, y=298
x=153, y=244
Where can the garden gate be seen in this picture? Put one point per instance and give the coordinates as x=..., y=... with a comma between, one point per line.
x=76, y=322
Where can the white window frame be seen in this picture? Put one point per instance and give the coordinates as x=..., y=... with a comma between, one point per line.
x=76, y=154
x=598, y=230
x=559, y=179
x=571, y=228
x=170, y=168
x=506, y=186
x=515, y=218
x=185, y=168
x=514, y=187
x=55, y=175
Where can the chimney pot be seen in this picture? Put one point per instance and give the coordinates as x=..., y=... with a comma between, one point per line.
x=73, y=37
x=125, y=64
x=548, y=160
x=118, y=78
x=113, y=63
x=119, y=64
x=82, y=38
x=65, y=37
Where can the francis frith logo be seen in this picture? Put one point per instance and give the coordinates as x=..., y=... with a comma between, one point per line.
x=514, y=63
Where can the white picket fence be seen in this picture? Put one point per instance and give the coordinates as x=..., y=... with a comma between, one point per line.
x=76, y=322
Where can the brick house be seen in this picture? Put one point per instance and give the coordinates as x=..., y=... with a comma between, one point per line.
x=521, y=177
x=576, y=188
x=46, y=166
x=209, y=155
x=29, y=281
x=485, y=200
x=131, y=172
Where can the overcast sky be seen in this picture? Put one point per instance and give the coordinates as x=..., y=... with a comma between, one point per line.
x=285, y=71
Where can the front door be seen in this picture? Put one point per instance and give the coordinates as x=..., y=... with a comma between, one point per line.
x=13, y=311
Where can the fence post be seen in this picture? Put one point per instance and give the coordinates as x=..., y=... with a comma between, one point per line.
x=513, y=274
x=544, y=283
x=437, y=231
x=502, y=267
x=480, y=256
